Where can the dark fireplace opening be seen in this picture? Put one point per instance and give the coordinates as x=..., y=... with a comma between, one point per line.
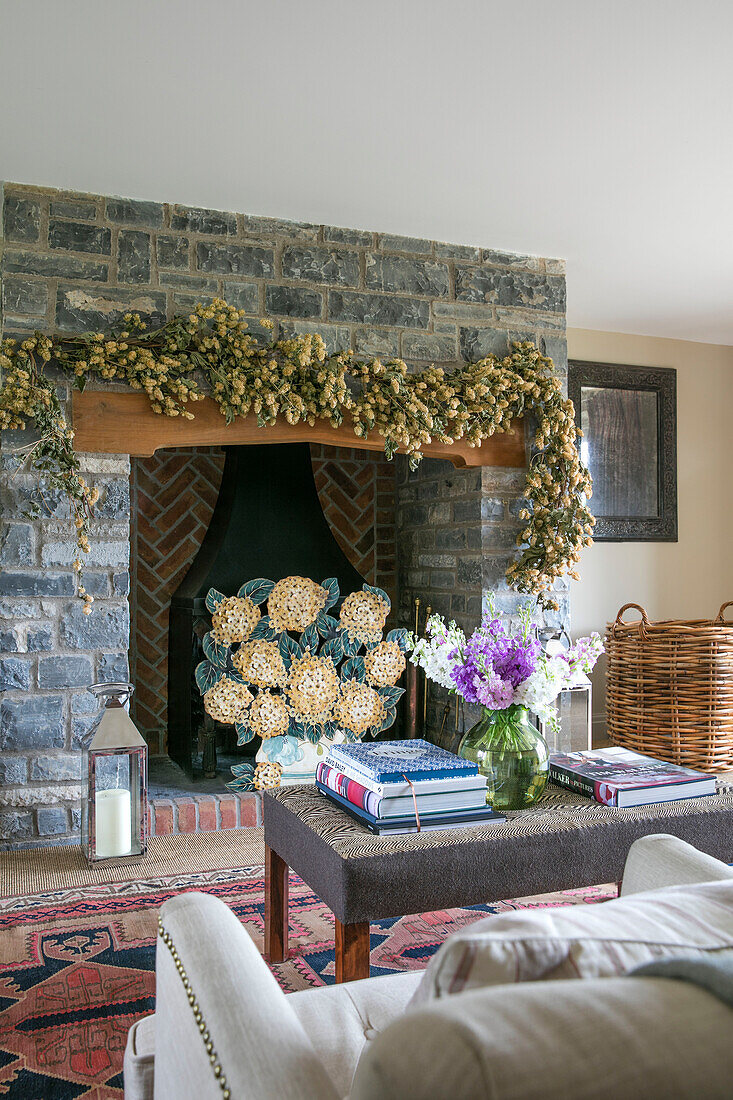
x=268, y=522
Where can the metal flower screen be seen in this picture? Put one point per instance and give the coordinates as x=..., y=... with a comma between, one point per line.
x=337, y=678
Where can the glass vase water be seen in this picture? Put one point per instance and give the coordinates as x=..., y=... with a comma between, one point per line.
x=511, y=753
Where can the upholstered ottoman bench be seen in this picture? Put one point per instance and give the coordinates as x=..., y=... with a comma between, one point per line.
x=564, y=841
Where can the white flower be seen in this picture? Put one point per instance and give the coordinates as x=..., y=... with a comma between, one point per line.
x=431, y=653
x=539, y=691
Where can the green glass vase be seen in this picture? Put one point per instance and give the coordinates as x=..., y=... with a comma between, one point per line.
x=511, y=753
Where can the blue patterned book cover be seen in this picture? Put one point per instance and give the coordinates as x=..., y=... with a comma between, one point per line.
x=388, y=761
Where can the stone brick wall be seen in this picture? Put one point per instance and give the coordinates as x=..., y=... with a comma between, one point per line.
x=49, y=651
x=456, y=531
x=72, y=262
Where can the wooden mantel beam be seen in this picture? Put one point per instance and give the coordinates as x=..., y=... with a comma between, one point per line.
x=123, y=423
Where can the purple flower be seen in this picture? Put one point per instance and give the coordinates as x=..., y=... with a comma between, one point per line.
x=493, y=692
x=493, y=664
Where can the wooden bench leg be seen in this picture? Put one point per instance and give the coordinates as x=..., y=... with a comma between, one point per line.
x=352, y=951
x=276, y=906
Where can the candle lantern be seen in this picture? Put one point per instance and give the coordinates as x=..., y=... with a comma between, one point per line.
x=574, y=706
x=575, y=717
x=115, y=771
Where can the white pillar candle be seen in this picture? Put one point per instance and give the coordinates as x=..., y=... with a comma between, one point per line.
x=113, y=823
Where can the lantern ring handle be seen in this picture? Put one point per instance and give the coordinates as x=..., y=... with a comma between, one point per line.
x=119, y=692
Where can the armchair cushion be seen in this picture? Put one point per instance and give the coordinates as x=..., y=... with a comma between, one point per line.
x=660, y=860
x=340, y=1020
x=636, y=1038
x=593, y=941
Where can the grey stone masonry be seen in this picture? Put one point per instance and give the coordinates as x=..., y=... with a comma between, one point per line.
x=72, y=262
x=49, y=651
x=60, y=246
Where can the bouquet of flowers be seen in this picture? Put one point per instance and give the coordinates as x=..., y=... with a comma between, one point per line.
x=498, y=667
x=504, y=670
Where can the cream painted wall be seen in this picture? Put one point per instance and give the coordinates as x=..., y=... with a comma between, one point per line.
x=690, y=578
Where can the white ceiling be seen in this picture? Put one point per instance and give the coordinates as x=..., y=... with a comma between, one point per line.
x=596, y=130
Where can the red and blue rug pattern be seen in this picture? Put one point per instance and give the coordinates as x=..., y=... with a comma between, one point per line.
x=77, y=967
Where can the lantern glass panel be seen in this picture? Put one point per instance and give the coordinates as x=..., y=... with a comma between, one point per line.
x=116, y=805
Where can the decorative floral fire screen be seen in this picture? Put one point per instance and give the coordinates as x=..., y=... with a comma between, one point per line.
x=335, y=682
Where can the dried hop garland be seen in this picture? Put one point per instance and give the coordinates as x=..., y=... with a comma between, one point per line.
x=359, y=707
x=234, y=619
x=268, y=774
x=295, y=380
x=269, y=715
x=313, y=688
x=295, y=603
x=363, y=615
x=260, y=663
x=227, y=701
x=384, y=664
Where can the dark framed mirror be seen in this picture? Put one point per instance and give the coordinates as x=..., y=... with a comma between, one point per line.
x=629, y=420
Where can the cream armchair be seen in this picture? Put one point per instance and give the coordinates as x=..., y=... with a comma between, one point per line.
x=224, y=1029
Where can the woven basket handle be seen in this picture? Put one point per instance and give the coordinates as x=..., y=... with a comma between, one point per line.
x=643, y=621
x=721, y=614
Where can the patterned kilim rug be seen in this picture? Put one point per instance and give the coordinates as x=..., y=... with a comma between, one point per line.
x=77, y=967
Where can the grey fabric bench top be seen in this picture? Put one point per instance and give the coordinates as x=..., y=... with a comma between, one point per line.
x=562, y=842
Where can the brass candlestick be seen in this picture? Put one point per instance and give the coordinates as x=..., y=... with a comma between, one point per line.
x=412, y=688
x=428, y=611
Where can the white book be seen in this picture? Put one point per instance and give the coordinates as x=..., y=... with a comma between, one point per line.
x=402, y=789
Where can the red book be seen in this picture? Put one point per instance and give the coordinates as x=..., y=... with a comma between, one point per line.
x=619, y=777
x=348, y=788
x=397, y=799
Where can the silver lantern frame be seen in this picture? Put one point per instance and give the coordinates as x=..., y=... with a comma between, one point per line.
x=115, y=735
x=551, y=737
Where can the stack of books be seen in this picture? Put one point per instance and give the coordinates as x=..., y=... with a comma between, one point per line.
x=402, y=786
x=619, y=777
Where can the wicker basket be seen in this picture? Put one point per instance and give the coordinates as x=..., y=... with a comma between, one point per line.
x=670, y=689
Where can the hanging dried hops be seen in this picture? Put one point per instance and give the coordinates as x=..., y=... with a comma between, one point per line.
x=234, y=619
x=363, y=615
x=227, y=701
x=267, y=774
x=295, y=603
x=269, y=715
x=295, y=380
x=384, y=664
x=359, y=707
x=312, y=688
x=260, y=663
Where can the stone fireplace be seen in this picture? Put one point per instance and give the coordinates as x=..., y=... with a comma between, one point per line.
x=72, y=262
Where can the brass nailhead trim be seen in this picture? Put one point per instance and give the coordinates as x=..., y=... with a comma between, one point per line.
x=201, y=1023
